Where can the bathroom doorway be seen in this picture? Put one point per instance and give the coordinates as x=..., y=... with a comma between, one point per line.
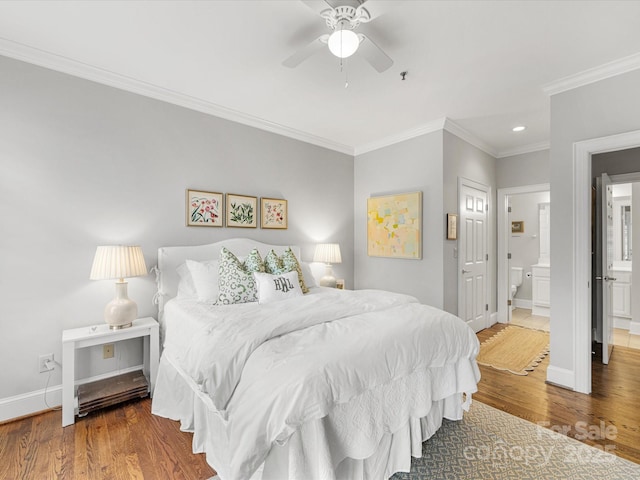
x=524, y=256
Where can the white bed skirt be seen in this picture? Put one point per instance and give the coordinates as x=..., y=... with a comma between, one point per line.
x=317, y=450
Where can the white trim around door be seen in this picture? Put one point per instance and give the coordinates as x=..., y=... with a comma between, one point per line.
x=581, y=295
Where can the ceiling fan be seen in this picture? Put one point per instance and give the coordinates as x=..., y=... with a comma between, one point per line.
x=342, y=17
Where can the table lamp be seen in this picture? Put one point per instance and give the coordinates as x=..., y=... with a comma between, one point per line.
x=327, y=253
x=119, y=262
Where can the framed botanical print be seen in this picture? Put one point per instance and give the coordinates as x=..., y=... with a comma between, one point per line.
x=241, y=211
x=273, y=213
x=204, y=209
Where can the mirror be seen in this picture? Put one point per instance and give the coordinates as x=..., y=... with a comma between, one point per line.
x=625, y=217
x=622, y=222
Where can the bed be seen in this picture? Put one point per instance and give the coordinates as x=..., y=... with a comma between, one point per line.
x=331, y=384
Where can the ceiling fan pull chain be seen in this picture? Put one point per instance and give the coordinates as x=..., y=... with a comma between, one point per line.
x=346, y=76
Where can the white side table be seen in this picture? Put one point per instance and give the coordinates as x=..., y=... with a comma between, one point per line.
x=76, y=338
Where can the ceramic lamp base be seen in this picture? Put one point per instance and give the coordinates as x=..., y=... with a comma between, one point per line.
x=328, y=280
x=121, y=311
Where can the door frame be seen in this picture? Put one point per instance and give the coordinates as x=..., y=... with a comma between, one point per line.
x=581, y=242
x=504, y=287
x=462, y=181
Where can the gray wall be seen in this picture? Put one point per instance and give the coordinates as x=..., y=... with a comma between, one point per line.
x=82, y=164
x=431, y=163
x=461, y=159
x=525, y=169
x=616, y=163
x=600, y=109
x=413, y=165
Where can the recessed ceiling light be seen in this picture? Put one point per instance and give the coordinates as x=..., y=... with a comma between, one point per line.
x=519, y=128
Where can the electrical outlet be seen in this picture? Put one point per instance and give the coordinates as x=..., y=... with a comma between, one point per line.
x=107, y=351
x=42, y=362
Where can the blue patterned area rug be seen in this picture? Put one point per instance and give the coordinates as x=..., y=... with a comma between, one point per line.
x=491, y=444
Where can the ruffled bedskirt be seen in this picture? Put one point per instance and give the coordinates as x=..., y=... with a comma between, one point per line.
x=327, y=448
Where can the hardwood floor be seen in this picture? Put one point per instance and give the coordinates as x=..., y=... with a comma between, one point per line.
x=128, y=442
x=614, y=399
x=123, y=442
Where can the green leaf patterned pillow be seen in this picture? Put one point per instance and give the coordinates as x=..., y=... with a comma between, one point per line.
x=236, y=283
x=286, y=263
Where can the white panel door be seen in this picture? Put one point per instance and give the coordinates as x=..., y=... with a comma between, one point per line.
x=472, y=254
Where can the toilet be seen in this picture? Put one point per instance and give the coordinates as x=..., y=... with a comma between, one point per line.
x=516, y=281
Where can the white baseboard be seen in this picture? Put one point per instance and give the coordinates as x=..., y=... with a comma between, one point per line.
x=493, y=318
x=30, y=403
x=622, y=323
x=561, y=376
x=634, y=328
x=33, y=402
x=522, y=303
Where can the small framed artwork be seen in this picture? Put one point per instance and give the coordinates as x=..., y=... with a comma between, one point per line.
x=517, y=227
x=273, y=213
x=204, y=209
x=452, y=226
x=242, y=211
x=340, y=283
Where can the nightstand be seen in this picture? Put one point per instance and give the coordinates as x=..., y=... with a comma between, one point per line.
x=83, y=337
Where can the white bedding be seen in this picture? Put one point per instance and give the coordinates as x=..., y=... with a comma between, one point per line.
x=271, y=371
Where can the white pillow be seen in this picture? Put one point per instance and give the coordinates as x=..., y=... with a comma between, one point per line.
x=186, y=288
x=273, y=288
x=205, y=279
x=309, y=279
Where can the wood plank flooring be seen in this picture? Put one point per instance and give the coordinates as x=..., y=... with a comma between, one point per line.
x=124, y=442
x=614, y=399
x=128, y=442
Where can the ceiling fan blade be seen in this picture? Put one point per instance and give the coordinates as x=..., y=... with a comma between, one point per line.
x=374, y=54
x=304, y=53
x=317, y=6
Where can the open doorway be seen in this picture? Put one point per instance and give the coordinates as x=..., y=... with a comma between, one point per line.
x=524, y=256
x=584, y=170
x=620, y=322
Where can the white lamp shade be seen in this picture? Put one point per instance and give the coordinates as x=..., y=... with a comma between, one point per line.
x=343, y=43
x=327, y=253
x=118, y=261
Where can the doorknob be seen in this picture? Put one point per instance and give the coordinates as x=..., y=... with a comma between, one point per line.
x=465, y=271
x=610, y=279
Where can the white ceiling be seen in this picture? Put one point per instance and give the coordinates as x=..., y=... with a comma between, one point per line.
x=481, y=64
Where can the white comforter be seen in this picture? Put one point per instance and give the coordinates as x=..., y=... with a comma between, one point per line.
x=270, y=368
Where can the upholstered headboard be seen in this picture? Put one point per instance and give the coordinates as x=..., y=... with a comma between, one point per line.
x=170, y=258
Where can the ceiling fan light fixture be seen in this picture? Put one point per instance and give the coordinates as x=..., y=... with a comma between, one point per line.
x=343, y=43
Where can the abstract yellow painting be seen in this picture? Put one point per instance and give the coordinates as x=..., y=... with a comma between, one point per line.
x=394, y=226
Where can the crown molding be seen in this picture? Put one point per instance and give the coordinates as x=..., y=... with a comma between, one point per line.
x=69, y=66
x=592, y=75
x=533, y=147
x=430, y=127
x=443, y=123
x=458, y=131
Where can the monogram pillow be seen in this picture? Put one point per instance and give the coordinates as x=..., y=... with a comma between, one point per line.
x=286, y=263
x=273, y=288
x=236, y=283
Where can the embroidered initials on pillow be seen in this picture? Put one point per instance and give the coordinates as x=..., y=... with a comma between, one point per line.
x=272, y=288
x=284, y=284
